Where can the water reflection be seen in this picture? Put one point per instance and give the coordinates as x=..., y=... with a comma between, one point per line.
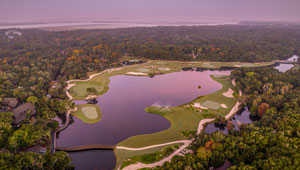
x=241, y=117
x=286, y=67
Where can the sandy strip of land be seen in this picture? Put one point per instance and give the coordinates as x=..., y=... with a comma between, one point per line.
x=67, y=92
x=136, y=74
x=224, y=106
x=228, y=93
x=235, y=108
x=233, y=83
x=152, y=146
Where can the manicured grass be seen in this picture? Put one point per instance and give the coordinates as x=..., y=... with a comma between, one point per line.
x=122, y=154
x=88, y=113
x=211, y=105
x=150, y=157
x=81, y=89
x=163, y=69
x=142, y=70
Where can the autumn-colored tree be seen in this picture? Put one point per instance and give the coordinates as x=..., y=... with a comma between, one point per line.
x=230, y=126
x=263, y=108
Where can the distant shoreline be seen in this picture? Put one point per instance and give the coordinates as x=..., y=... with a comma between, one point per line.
x=105, y=25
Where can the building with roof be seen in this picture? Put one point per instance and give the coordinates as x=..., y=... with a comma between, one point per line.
x=20, y=113
x=10, y=102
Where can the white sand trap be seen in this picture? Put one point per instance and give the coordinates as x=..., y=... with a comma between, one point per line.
x=208, y=65
x=90, y=112
x=224, y=106
x=228, y=93
x=136, y=74
x=237, y=66
x=163, y=69
x=91, y=97
x=233, y=83
x=198, y=105
x=142, y=70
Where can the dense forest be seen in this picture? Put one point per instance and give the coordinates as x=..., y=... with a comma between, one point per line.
x=30, y=62
x=35, y=65
x=272, y=142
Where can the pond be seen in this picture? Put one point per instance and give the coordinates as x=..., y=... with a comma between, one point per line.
x=123, y=112
x=243, y=116
x=286, y=67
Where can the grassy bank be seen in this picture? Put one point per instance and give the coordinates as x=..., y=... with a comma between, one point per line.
x=122, y=154
x=88, y=113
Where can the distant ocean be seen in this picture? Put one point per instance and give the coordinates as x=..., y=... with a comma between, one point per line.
x=107, y=24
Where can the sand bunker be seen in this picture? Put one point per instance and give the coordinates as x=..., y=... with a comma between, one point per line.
x=224, y=106
x=163, y=69
x=237, y=66
x=90, y=112
x=136, y=74
x=233, y=83
x=228, y=93
x=197, y=105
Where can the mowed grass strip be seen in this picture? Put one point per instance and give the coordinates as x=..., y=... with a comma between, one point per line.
x=122, y=154
x=81, y=89
x=142, y=70
x=88, y=113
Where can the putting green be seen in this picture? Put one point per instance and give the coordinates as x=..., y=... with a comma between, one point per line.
x=211, y=105
x=88, y=113
x=80, y=89
x=163, y=69
x=142, y=70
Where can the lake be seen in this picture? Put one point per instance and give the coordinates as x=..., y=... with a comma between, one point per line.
x=286, y=67
x=123, y=112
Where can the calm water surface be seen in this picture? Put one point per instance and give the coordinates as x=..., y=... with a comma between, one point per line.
x=286, y=67
x=123, y=112
x=243, y=116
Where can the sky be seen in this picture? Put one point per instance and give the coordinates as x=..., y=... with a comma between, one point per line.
x=150, y=10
